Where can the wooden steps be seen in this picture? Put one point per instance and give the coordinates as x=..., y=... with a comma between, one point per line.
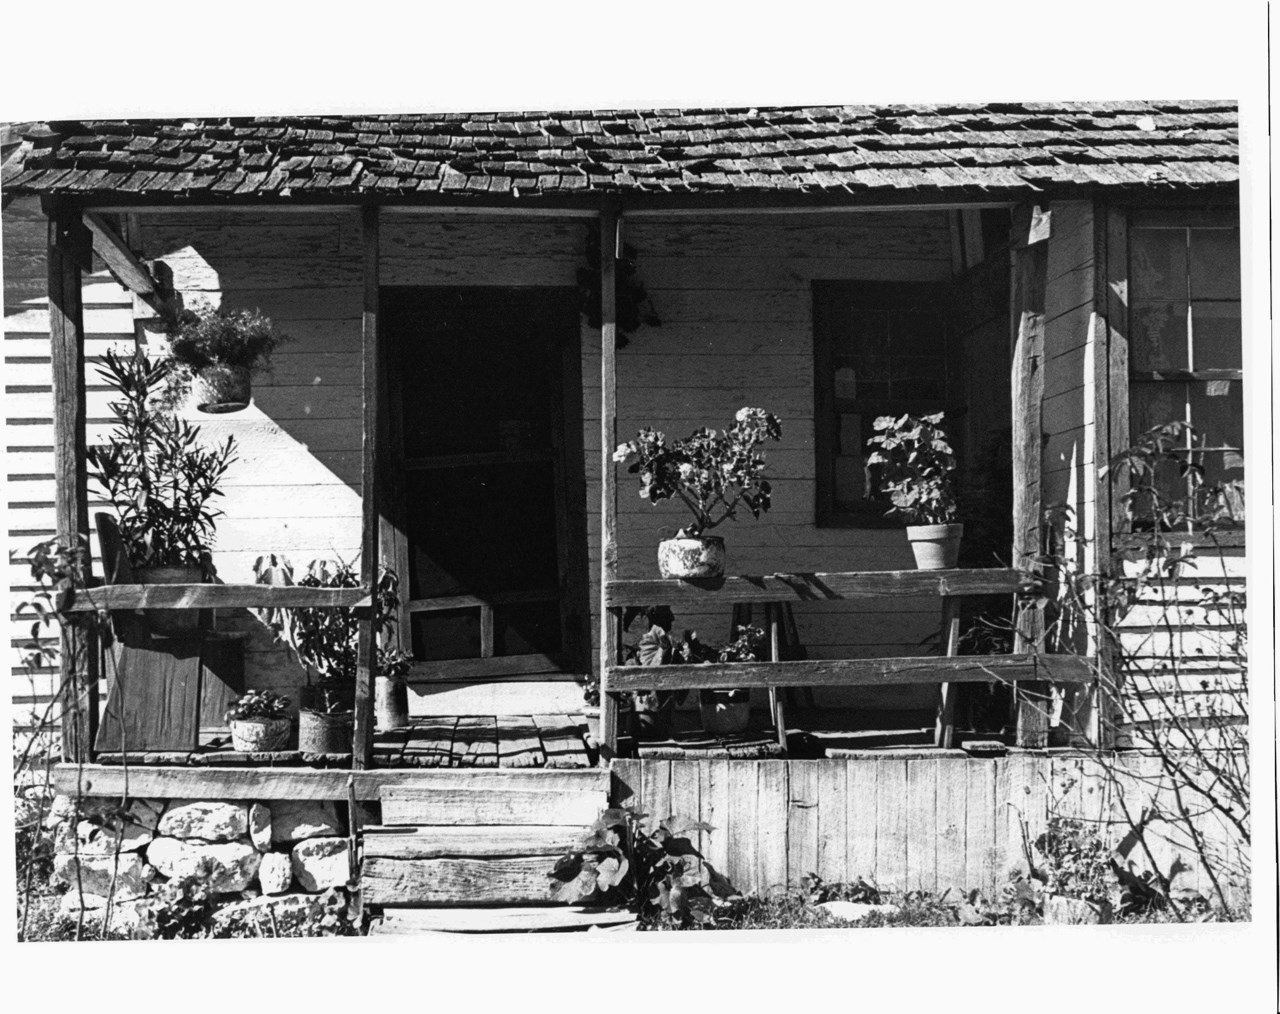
x=412, y=921
x=480, y=844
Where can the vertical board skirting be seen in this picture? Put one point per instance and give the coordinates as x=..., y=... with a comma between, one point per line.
x=832, y=816
x=902, y=823
x=862, y=816
x=772, y=812
x=803, y=830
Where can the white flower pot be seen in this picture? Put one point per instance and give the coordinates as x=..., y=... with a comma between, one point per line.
x=936, y=547
x=260, y=735
x=691, y=557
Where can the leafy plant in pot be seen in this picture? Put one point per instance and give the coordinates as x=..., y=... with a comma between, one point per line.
x=218, y=351
x=326, y=642
x=915, y=463
x=160, y=480
x=259, y=722
x=714, y=472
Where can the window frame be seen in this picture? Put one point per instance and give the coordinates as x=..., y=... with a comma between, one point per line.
x=826, y=294
x=1118, y=221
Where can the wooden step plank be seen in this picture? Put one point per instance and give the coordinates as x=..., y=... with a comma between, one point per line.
x=475, y=742
x=431, y=742
x=474, y=842
x=561, y=741
x=518, y=743
x=409, y=921
x=413, y=805
x=460, y=882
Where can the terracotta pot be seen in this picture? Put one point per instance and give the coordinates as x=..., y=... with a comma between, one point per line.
x=936, y=547
x=223, y=389
x=390, y=703
x=702, y=556
x=724, y=712
x=173, y=622
x=325, y=733
x=260, y=735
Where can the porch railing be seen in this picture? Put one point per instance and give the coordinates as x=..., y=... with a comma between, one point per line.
x=1029, y=668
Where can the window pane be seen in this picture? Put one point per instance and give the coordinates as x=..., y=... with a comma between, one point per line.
x=1217, y=413
x=1215, y=263
x=851, y=481
x=1215, y=328
x=1154, y=403
x=849, y=437
x=1158, y=336
x=918, y=378
x=846, y=379
x=868, y=332
x=1158, y=263
x=443, y=635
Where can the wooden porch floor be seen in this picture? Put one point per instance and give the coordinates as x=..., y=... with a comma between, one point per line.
x=560, y=742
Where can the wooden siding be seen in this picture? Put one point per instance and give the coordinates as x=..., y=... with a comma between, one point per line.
x=903, y=821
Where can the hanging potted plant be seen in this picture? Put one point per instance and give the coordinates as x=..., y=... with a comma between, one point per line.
x=160, y=481
x=217, y=351
x=714, y=472
x=915, y=464
x=259, y=722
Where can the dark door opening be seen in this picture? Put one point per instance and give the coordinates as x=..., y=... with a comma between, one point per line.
x=485, y=391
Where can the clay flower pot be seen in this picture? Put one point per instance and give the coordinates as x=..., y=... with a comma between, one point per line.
x=691, y=557
x=223, y=389
x=260, y=735
x=325, y=733
x=936, y=547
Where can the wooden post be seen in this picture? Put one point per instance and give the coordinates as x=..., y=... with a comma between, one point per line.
x=70, y=249
x=371, y=339
x=610, y=626
x=1027, y=294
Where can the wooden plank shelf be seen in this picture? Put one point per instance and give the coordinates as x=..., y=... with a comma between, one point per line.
x=695, y=593
x=930, y=669
x=215, y=596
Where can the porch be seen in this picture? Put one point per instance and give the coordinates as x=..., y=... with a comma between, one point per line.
x=383, y=535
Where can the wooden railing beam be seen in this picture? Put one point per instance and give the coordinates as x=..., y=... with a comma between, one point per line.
x=610, y=625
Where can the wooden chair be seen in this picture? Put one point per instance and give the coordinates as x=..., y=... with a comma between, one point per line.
x=164, y=688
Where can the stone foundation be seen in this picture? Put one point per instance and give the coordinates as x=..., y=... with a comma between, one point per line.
x=266, y=863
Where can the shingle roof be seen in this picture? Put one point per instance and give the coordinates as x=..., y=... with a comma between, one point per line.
x=956, y=150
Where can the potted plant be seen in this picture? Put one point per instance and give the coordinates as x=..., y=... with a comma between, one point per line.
x=390, y=690
x=259, y=722
x=915, y=463
x=218, y=350
x=325, y=641
x=160, y=481
x=713, y=472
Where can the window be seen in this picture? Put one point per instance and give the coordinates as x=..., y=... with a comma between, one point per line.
x=880, y=348
x=1185, y=360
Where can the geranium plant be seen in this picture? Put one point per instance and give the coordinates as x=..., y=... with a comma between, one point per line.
x=258, y=704
x=155, y=472
x=713, y=472
x=915, y=463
